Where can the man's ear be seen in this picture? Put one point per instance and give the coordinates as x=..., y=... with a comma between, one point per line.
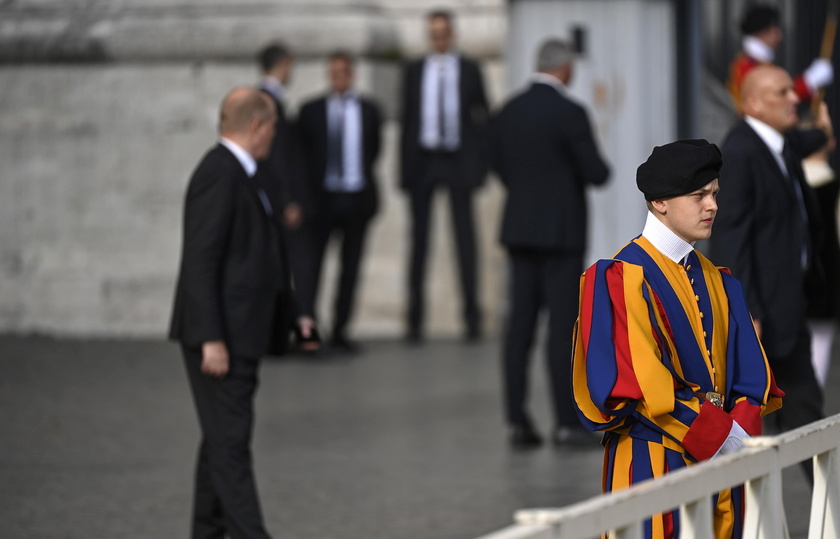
x=660, y=206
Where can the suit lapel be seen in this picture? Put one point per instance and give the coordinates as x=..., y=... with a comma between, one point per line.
x=773, y=165
x=321, y=121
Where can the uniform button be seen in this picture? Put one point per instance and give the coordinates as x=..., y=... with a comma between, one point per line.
x=696, y=298
x=704, y=334
x=702, y=315
x=688, y=267
x=692, y=281
x=708, y=353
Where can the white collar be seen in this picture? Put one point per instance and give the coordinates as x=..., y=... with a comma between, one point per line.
x=349, y=94
x=664, y=239
x=554, y=82
x=245, y=159
x=274, y=87
x=772, y=138
x=448, y=56
x=757, y=49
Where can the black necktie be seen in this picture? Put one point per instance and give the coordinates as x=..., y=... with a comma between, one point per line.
x=269, y=210
x=793, y=175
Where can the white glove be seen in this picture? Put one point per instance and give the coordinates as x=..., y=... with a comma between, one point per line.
x=734, y=440
x=819, y=74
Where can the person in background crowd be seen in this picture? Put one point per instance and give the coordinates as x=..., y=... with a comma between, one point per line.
x=340, y=138
x=281, y=174
x=443, y=143
x=762, y=35
x=232, y=304
x=768, y=229
x=545, y=153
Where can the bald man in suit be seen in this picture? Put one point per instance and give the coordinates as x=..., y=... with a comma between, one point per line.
x=231, y=303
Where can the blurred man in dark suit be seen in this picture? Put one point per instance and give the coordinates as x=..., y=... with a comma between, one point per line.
x=767, y=228
x=340, y=134
x=231, y=304
x=276, y=64
x=546, y=155
x=443, y=144
x=281, y=173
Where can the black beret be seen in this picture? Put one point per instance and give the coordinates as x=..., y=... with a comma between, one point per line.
x=758, y=18
x=678, y=168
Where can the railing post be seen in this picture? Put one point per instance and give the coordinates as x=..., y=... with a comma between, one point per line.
x=696, y=519
x=765, y=518
x=825, y=501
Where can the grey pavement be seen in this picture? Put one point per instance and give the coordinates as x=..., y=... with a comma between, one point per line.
x=98, y=439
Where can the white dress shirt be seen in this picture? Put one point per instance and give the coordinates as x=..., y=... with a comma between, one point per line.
x=774, y=140
x=245, y=159
x=250, y=165
x=348, y=109
x=436, y=65
x=274, y=87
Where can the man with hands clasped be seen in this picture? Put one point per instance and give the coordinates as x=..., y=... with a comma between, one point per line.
x=667, y=363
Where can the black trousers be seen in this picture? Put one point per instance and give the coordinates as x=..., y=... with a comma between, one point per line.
x=225, y=496
x=441, y=170
x=541, y=280
x=341, y=214
x=301, y=249
x=803, y=400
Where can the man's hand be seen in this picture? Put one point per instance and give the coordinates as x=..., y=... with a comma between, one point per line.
x=734, y=441
x=215, y=360
x=757, y=326
x=307, y=327
x=292, y=215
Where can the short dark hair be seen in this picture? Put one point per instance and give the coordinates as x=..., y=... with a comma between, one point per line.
x=759, y=17
x=342, y=55
x=271, y=55
x=440, y=14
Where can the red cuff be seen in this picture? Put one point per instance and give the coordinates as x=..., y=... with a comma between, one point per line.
x=708, y=432
x=748, y=415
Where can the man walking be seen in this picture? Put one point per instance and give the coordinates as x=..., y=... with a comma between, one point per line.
x=231, y=302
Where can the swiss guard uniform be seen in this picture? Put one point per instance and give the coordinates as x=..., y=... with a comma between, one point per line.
x=666, y=361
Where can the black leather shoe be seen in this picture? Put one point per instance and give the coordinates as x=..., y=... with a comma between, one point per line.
x=472, y=335
x=340, y=343
x=573, y=437
x=525, y=437
x=413, y=337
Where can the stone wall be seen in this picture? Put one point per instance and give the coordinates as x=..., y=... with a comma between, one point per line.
x=106, y=106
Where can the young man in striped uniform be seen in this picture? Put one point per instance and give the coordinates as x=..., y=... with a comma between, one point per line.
x=667, y=362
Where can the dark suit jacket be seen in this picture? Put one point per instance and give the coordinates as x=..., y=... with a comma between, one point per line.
x=312, y=129
x=472, y=155
x=544, y=151
x=758, y=230
x=233, y=278
x=282, y=172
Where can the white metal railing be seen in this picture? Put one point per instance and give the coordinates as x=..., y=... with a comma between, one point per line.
x=758, y=466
